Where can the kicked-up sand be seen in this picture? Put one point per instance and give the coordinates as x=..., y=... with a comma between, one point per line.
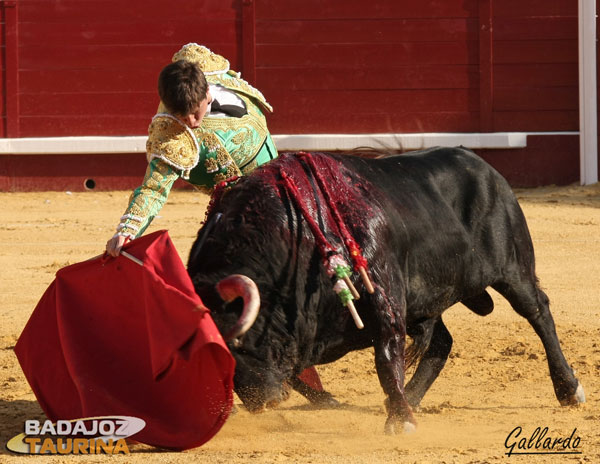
x=495, y=380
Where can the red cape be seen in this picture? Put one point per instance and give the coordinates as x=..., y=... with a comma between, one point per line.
x=110, y=337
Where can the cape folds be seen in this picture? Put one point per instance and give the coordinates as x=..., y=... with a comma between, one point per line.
x=111, y=337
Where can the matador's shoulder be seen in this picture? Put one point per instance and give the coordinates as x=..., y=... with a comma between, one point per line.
x=210, y=63
x=217, y=71
x=173, y=142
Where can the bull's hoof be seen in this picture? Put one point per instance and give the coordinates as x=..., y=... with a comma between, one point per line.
x=391, y=427
x=328, y=401
x=577, y=398
x=256, y=409
x=319, y=399
x=409, y=428
x=324, y=400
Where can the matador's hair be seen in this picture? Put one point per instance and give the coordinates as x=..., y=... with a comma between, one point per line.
x=181, y=87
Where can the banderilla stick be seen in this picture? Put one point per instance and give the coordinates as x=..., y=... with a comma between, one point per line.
x=352, y=288
x=366, y=280
x=355, y=316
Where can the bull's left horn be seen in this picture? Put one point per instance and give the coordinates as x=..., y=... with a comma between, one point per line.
x=240, y=286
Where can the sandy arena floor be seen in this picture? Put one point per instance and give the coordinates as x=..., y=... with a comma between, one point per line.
x=497, y=377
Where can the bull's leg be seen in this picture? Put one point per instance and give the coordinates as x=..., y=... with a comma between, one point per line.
x=532, y=303
x=430, y=365
x=439, y=343
x=389, y=361
x=308, y=384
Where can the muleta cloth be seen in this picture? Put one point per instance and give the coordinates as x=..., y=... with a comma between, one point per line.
x=111, y=337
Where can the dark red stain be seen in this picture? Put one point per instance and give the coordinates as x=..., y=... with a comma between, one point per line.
x=333, y=200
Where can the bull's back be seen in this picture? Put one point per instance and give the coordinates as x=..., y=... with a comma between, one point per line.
x=454, y=222
x=448, y=174
x=441, y=186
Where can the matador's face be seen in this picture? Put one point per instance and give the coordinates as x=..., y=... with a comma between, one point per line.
x=194, y=119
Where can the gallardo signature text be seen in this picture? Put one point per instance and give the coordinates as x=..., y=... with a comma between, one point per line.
x=539, y=442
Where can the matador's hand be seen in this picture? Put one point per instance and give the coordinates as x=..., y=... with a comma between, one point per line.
x=114, y=245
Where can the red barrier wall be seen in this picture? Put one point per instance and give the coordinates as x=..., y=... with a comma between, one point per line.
x=89, y=67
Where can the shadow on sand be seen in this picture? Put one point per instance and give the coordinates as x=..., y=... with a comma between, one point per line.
x=13, y=415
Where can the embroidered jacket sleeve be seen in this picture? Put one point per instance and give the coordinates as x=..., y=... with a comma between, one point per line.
x=172, y=151
x=148, y=199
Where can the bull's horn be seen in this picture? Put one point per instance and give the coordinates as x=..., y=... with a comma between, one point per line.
x=240, y=286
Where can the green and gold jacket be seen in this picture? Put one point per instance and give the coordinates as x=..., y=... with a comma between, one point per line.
x=221, y=148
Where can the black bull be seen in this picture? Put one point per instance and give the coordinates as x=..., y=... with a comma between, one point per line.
x=437, y=227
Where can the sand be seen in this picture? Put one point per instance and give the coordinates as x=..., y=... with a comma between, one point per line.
x=496, y=378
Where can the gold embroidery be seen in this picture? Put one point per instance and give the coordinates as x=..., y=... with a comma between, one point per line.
x=151, y=195
x=250, y=167
x=233, y=170
x=252, y=125
x=211, y=165
x=222, y=159
x=241, y=136
x=172, y=142
x=209, y=62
